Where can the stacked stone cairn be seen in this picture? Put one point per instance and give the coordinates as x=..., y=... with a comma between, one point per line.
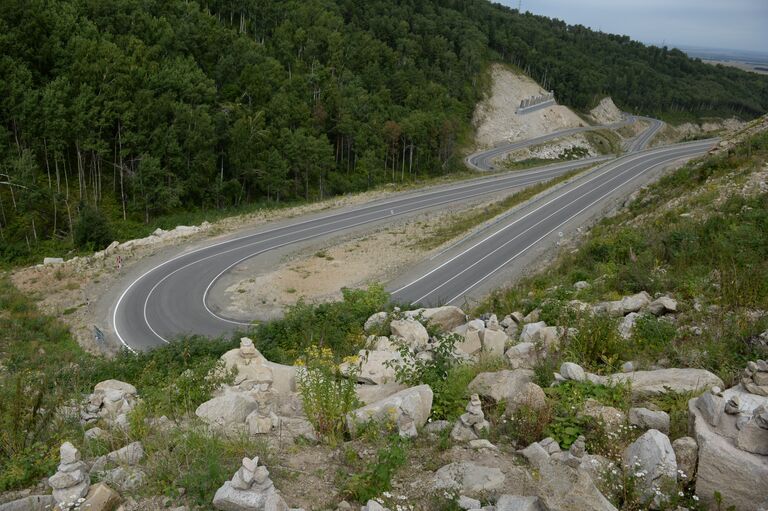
x=71, y=481
x=471, y=423
x=250, y=489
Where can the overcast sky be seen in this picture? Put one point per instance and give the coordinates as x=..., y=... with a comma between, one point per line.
x=730, y=24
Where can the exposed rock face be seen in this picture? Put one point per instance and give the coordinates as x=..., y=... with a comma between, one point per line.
x=31, y=503
x=408, y=409
x=71, y=481
x=250, y=489
x=468, y=478
x=471, y=423
x=652, y=383
x=111, y=401
x=652, y=456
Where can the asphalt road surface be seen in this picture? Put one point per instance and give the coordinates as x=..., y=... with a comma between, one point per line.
x=171, y=298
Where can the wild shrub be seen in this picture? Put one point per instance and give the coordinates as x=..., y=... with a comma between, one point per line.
x=92, y=229
x=336, y=325
x=376, y=477
x=597, y=344
x=326, y=393
x=651, y=336
x=528, y=423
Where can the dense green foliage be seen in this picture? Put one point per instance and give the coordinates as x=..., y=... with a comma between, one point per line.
x=145, y=108
x=46, y=369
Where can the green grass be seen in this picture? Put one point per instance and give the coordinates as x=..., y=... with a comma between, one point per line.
x=720, y=259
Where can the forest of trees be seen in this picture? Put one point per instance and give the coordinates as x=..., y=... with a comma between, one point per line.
x=114, y=113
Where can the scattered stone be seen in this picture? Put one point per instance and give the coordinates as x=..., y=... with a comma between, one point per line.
x=627, y=325
x=482, y=443
x=376, y=321
x=250, y=489
x=52, y=260
x=627, y=367
x=467, y=503
x=571, y=371
x=95, y=434
x=652, y=383
x=611, y=418
x=72, y=480
x=372, y=505
x=29, y=503
x=687, y=456
x=532, y=316
x=444, y=318
x=468, y=478
x=101, y=498
x=110, y=401
x=652, y=456
x=723, y=467
x=644, y=418
x=662, y=305
x=516, y=503
x=581, y=285
x=437, y=427
x=410, y=331
x=131, y=454
x=233, y=407
x=125, y=478
x=472, y=423
x=494, y=342
x=472, y=343
x=522, y=356
x=755, y=379
x=414, y=403
x=501, y=385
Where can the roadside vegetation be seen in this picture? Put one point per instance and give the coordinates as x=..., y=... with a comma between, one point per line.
x=109, y=127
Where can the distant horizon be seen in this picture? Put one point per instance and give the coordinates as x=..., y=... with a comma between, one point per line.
x=692, y=24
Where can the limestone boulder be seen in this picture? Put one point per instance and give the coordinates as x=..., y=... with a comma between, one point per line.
x=472, y=344
x=652, y=383
x=376, y=322
x=494, y=342
x=662, y=305
x=644, y=418
x=627, y=325
x=501, y=385
x=131, y=454
x=611, y=418
x=445, y=318
x=374, y=366
x=652, y=456
x=687, y=455
x=30, y=503
x=737, y=475
x=410, y=331
x=517, y=503
x=229, y=409
x=532, y=332
x=406, y=409
x=522, y=356
x=468, y=478
x=101, y=498
x=572, y=371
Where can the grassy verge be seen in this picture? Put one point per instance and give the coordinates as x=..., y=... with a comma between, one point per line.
x=605, y=141
x=716, y=259
x=463, y=223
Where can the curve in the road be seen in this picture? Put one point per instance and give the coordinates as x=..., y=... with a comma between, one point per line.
x=171, y=298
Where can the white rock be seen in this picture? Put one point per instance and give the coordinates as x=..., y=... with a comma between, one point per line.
x=522, y=356
x=582, y=284
x=687, y=456
x=444, y=318
x=571, y=371
x=410, y=331
x=131, y=454
x=644, y=418
x=414, y=403
x=662, y=305
x=494, y=342
x=517, y=503
x=467, y=503
x=468, y=478
x=501, y=385
x=532, y=332
x=68, y=453
x=52, y=260
x=627, y=325
x=472, y=343
x=376, y=321
x=653, y=383
x=231, y=408
x=635, y=302
x=652, y=455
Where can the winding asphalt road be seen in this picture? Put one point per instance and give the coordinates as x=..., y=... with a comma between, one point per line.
x=171, y=298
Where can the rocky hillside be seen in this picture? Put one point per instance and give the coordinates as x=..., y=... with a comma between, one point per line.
x=631, y=374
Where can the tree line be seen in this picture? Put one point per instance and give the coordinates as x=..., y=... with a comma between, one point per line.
x=115, y=113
